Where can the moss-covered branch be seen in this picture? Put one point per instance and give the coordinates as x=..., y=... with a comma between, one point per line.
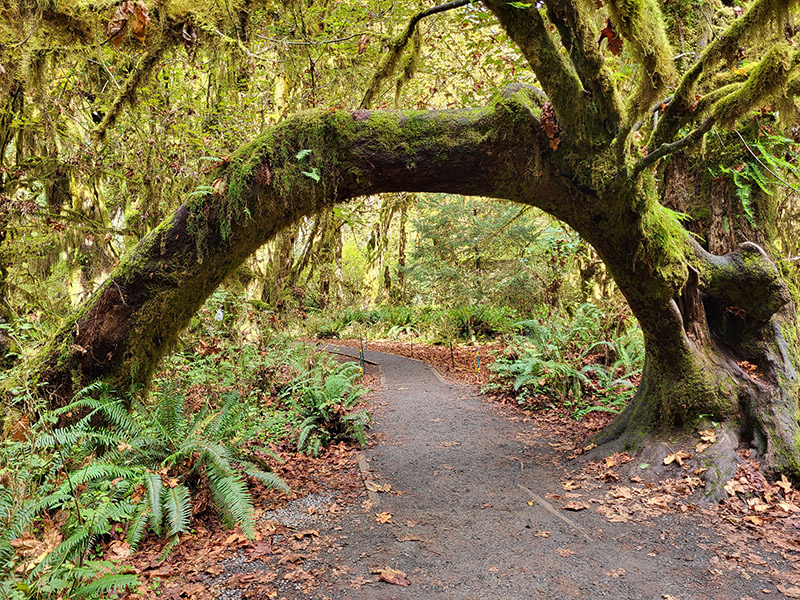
x=576, y=26
x=557, y=75
x=725, y=48
x=641, y=23
x=308, y=162
x=733, y=279
x=128, y=91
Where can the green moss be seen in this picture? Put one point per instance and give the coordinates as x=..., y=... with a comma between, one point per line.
x=641, y=23
x=768, y=78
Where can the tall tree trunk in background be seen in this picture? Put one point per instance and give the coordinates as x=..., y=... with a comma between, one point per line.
x=401, y=255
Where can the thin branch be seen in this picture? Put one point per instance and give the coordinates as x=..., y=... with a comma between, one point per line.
x=128, y=91
x=665, y=149
x=388, y=63
x=309, y=43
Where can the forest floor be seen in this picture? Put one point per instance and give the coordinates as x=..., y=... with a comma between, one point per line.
x=459, y=497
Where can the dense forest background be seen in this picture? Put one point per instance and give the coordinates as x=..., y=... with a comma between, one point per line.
x=113, y=114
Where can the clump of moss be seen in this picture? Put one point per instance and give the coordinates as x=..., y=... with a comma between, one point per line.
x=768, y=78
x=642, y=25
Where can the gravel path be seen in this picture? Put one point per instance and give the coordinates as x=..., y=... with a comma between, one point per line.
x=476, y=507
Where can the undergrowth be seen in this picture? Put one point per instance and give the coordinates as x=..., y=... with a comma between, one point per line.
x=582, y=363
x=105, y=472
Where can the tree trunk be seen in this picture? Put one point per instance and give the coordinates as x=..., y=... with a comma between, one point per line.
x=129, y=323
x=705, y=318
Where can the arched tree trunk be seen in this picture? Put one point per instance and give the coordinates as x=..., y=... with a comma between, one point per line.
x=712, y=324
x=702, y=315
x=128, y=324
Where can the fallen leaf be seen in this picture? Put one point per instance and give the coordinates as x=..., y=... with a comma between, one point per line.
x=789, y=592
x=383, y=517
x=733, y=487
x=621, y=492
x=411, y=524
x=542, y=534
x=677, y=457
x=118, y=550
x=615, y=573
x=291, y=557
x=571, y=485
x=784, y=484
x=376, y=487
x=575, y=505
x=360, y=581
x=708, y=435
x=565, y=552
x=308, y=532
x=393, y=576
x=754, y=520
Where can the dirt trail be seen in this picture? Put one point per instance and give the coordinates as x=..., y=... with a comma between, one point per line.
x=476, y=507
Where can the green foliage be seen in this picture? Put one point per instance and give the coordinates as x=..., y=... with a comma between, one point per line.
x=326, y=407
x=568, y=362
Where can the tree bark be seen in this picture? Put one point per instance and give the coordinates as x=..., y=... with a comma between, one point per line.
x=128, y=324
x=705, y=318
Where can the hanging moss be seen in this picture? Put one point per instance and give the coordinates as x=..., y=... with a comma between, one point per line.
x=767, y=79
x=641, y=23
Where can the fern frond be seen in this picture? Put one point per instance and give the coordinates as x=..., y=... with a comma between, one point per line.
x=114, y=583
x=233, y=500
x=271, y=480
x=138, y=527
x=71, y=549
x=177, y=509
x=154, y=489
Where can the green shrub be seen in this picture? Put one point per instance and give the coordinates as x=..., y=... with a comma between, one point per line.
x=325, y=406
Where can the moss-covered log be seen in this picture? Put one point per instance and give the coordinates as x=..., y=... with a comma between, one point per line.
x=310, y=161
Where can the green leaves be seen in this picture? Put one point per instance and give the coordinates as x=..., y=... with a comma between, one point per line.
x=520, y=5
x=313, y=174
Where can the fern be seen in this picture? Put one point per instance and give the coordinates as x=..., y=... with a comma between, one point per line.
x=138, y=527
x=154, y=489
x=107, y=584
x=71, y=549
x=233, y=500
x=271, y=480
x=177, y=509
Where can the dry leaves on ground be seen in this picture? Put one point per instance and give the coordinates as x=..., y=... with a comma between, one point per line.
x=393, y=576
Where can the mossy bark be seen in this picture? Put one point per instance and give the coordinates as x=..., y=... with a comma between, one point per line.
x=128, y=324
x=705, y=318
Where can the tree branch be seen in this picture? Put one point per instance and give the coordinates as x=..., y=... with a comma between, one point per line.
x=556, y=74
x=744, y=279
x=142, y=69
x=724, y=47
x=388, y=64
x=579, y=36
x=666, y=149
